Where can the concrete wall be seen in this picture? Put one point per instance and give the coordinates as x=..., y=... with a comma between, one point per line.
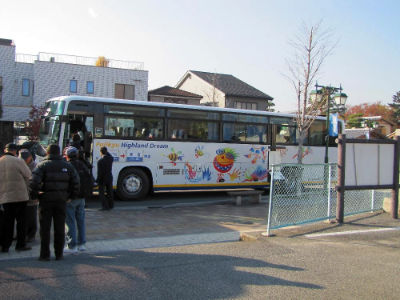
x=198, y=86
x=53, y=79
x=49, y=80
x=10, y=84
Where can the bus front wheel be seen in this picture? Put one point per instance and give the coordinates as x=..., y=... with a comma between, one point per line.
x=133, y=184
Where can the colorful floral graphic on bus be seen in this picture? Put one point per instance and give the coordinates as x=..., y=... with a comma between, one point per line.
x=195, y=176
x=174, y=156
x=206, y=174
x=235, y=174
x=224, y=160
x=199, y=151
x=257, y=153
x=257, y=174
x=189, y=171
x=306, y=151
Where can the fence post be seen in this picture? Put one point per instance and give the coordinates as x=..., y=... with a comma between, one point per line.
x=341, y=178
x=395, y=190
x=372, y=200
x=329, y=192
x=271, y=191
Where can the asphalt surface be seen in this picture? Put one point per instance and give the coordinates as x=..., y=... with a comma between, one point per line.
x=186, y=246
x=271, y=268
x=175, y=219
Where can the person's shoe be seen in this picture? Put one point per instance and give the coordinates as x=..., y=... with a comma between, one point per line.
x=68, y=250
x=104, y=209
x=82, y=248
x=44, y=258
x=61, y=257
x=30, y=240
x=24, y=248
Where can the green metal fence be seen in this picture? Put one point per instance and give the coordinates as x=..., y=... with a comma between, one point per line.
x=306, y=193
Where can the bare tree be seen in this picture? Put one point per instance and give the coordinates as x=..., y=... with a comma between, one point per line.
x=211, y=93
x=33, y=122
x=311, y=47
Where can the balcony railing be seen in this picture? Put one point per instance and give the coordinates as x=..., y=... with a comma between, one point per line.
x=78, y=60
x=25, y=58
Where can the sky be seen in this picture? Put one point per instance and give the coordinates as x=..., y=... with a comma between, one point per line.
x=248, y=39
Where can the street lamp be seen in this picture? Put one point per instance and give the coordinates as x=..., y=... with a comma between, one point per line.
x=335, y=99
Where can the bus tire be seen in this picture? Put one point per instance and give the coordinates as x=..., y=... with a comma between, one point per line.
x=133, y=184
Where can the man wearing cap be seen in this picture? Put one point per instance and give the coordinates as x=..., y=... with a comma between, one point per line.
x=76, y=207
x=15, y=175
x=54, y=181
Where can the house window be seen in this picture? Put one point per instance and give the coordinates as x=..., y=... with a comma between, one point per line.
x=124, y=91
x=73, y=86
x=26, y=87
x=246, y=105
x=90, y=87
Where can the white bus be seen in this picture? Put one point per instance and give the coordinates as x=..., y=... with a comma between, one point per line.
x=165, y=147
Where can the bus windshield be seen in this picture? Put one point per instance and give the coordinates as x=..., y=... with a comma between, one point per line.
x=54, y=108
x=49, y=130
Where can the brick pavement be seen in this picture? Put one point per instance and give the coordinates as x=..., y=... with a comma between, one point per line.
x=125, y=228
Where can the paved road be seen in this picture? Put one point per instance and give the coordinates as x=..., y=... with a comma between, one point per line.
x=166, y=221
x=175, y=253
x=273, y=268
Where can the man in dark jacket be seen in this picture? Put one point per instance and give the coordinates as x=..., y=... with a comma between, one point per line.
x=105, y=179
x=54, y=182
x=76, y=207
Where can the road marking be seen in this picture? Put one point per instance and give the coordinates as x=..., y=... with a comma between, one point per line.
x=315, y=235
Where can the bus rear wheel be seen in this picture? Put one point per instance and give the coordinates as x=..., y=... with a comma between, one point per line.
x=133, y=184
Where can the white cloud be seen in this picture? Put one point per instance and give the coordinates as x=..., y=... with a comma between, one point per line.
x=92, y=13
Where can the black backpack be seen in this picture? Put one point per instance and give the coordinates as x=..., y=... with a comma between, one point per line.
x=86, y=182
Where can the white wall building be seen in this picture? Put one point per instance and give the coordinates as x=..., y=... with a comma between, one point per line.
x=223, y=90
x=27, y=80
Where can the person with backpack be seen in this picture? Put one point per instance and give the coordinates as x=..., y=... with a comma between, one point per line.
x=76, y=207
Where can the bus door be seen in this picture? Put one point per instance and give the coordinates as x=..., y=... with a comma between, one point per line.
x=81, y=122
x=81, y=125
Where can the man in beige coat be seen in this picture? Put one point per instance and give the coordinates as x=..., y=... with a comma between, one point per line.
x=15, y=175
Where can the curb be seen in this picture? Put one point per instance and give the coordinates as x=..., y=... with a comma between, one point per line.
x=136, y=244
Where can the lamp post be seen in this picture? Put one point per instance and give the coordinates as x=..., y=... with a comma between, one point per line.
x=335, y=99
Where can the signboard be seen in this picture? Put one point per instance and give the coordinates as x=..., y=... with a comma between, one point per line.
x=369, y=164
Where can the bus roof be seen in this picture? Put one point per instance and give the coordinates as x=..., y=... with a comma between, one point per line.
x=68, y=99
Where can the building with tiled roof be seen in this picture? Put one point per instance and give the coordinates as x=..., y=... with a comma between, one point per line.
x=173, y=95
x=223, y=90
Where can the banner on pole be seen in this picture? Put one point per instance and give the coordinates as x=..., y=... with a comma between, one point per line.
x=334, y=125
